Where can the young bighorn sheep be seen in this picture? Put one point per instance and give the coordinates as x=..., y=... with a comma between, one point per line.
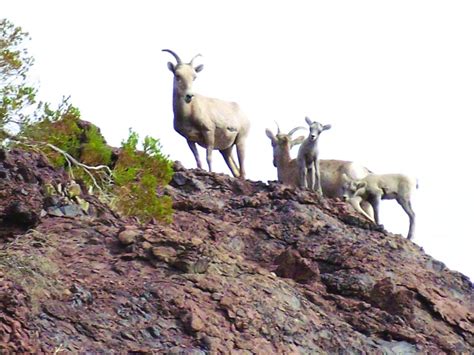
x=332, y=171
x=209, y=122
x=374, y=188
x=308, y=162
x=287, y=168
x=349, y=185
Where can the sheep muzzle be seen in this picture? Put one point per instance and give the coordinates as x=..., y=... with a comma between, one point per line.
x=188, y=98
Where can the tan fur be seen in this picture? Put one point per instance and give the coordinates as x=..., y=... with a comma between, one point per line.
x=375, y=187
x=209, y=122
x=331, y=170
x=308, y=157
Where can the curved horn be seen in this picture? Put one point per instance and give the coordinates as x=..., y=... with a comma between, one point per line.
x=197, y=55
x=178, y=59
x=295, y=129
x=278, y=127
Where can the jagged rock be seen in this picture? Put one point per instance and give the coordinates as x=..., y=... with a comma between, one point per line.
x=83, y=204
x=3, y=174
x=21, y=214
x=73, y=190
x=128, y=236
x=165, y=254
x=55, y=211
x=244, y=267
x=191, y=262
x=395, y=300
x=71, y=210
x=293, y=266
x=26, y=174
x=193, y=320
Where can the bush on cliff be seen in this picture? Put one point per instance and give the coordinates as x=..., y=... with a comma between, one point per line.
x=129, y=181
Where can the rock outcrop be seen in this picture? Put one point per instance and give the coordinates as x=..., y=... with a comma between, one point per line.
x=245, y=267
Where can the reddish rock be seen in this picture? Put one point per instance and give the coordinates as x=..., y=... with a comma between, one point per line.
x=292, y=265
x=128, y=236
x=244, y=267
x=393, y=299
x=166, y=254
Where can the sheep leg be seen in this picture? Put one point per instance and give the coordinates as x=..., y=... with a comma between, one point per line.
x=406, y=205
x=192, y=146
x=302, y=173
x=317, y=178
x=375, y=202
x=208, y=138
x=311, y=177
x=209, y=150
x=241, y=156
x=227, y=155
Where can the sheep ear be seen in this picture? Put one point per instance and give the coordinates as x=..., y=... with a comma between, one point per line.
x=326, y=127
x=171, y=67
x=308, y=120
x=270, y=134
x=298, y=140
x=199, y=68
x=345, y=178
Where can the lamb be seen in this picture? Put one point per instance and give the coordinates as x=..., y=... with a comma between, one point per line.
x=357, y=202
x=332, y=171
x=209, y=122
x=375, y=187
x=308, y=162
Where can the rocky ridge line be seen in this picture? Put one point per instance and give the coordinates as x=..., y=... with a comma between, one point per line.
x=245, y=267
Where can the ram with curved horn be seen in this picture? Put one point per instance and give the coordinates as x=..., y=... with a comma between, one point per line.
x=209, y=122
x=287, y=168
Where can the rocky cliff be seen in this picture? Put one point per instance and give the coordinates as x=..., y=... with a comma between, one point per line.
x=245, y=267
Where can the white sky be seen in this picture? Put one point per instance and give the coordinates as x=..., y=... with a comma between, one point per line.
x=394, y=78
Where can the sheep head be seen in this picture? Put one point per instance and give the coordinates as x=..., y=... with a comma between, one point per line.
x=352, y=188
x=184, y=76
x=283, y=142
x=315, y=128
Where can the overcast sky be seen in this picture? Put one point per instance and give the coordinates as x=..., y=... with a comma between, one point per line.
x=395, y=79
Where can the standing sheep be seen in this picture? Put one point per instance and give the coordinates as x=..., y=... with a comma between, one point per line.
x=287, y=168
x=209, y=122
x=374, y=187
x=334, y=173
x=308, y=162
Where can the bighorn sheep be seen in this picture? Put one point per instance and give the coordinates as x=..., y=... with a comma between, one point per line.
x=209, y=122
x=308, y=162
x=374, y=187
x=287, y=168
x=332, y=171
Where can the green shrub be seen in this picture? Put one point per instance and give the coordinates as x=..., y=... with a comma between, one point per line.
x=64, y=129
x=138, y=176
x=94, y=150
x=59, y=128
